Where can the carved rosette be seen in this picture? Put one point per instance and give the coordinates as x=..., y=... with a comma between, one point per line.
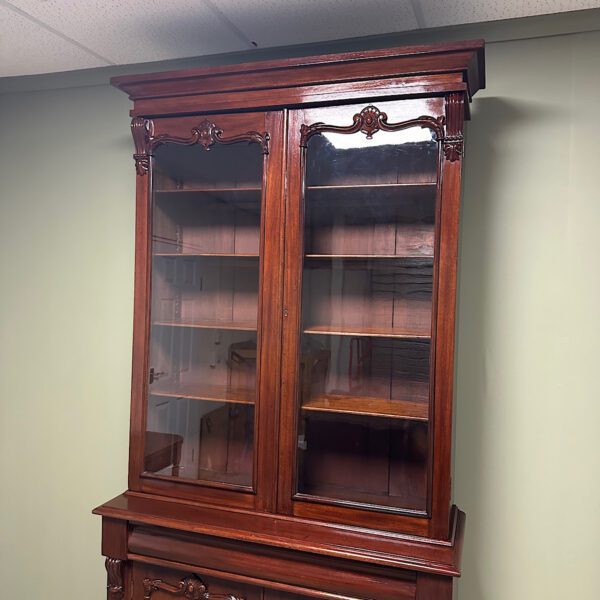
x=191, y=588
x=369, y=121
x=114, y=571
x=206, y=134
x=453, y=144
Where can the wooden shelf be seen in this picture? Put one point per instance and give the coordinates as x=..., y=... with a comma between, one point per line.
x=204, y=190
x=424, y=257
x=358, y=186
x=385, y=332
x=220, y=478
x=203, y=254
x=212, y=393
x=235, y=325
x=372, y=407
x=334, y=494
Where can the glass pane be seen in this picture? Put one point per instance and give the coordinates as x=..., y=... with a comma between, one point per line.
x=366, y=318
x=203, y=342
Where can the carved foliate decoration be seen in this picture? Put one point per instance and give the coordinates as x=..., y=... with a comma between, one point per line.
x=206, y=134
x=114, y=570
x=447, y=129
x=453, y=145
x=190, y=588
x=369, y=121
x=142, y=131
x=453, y=148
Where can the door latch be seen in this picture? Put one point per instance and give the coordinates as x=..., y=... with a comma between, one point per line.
x=156, y=375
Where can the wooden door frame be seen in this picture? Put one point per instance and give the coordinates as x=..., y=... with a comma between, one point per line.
x=443, y=335
x=267, y=129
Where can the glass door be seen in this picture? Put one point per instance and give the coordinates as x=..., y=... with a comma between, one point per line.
x=204, y=330
x=362, y=403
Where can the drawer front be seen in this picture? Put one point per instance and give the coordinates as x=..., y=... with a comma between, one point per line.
x=279, y=569
x=150, y=582
x=157, y=583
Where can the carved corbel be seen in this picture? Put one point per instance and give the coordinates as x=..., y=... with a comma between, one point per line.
x=142, y=131
x=191, y=588
x=114, y=587
x=453, y=141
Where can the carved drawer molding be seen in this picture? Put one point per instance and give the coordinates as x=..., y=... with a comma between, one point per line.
x=191, y=588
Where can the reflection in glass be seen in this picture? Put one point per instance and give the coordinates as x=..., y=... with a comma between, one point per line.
x=203, y=341
x=364, y=402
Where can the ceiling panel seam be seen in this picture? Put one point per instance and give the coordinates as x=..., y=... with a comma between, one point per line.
x=418, y=12
x=54, y=31
x=229, y=24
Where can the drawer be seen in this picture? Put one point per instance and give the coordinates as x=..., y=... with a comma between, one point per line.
x=157, y=583
x=266, y=568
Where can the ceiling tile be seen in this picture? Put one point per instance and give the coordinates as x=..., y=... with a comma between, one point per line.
x=277, y=23
x=131, y=31
x=437, y=13
x=60, y=35
x=26, y=48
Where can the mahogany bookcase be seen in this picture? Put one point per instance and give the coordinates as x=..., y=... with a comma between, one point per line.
x=293, y=346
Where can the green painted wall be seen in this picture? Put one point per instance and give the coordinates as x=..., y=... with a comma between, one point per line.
x=528, y=407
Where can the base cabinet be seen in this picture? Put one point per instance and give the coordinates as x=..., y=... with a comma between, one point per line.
x=160, y=563
x=147, y=581
x=150, y=582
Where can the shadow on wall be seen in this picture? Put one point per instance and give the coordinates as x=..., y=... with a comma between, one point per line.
x=492, y=147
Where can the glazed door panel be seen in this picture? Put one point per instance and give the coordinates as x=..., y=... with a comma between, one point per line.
x=361, y=292
x=212, y=194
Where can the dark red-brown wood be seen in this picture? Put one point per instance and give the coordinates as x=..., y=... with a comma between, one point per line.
x=263, y=538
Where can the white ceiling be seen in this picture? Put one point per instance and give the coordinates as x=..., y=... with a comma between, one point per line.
x=44, y=36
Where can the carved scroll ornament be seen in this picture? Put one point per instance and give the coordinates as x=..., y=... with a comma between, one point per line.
x=141, y=129
x=114, y=570
x=206, y=134
x=454, y=142
x=190, y=588
x=370, y=120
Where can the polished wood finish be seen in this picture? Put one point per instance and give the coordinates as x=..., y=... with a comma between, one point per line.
x=354, y=75
x=374, y=546
x=315, y=460
x=279, y=566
